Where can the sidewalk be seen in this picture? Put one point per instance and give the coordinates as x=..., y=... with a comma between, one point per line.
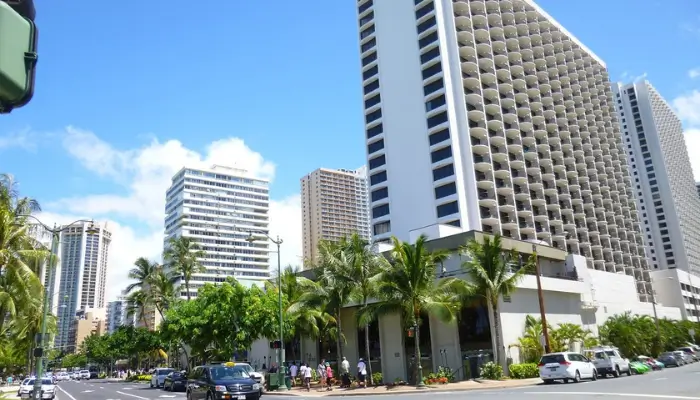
x=382, y=390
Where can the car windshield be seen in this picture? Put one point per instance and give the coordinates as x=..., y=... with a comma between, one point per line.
x=164, y=371
x=552, y=359
x=26, y=381
x=29, y=382
x=46, y=381
x=666, y=355
x=599, y=355
x=224, y=373
x=610, y=353
x=247, y=368
x=84, y=371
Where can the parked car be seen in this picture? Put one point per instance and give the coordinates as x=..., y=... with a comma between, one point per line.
x=690, y=351
x=158, y=376
x=608, y=360
x=652, y=363
x=687, y=358
x=84, y=374
x=670, y=360
x=219, y=380
x=258, y=377
x=48, y=389
x=175, y=381
x=566, y=366
x=638, y=367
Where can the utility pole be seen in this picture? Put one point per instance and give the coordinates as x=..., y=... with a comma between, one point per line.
x=18, y=52
x=540, y=297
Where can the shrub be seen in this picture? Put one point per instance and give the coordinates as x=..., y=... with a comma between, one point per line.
x=524, y=371
x=377, y=378
x=491, y=371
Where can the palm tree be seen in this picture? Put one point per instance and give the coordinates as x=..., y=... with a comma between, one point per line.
x=142, y=274
x=163, y=289
x=363, y=266
x=489, y=268
x=137, y=304
x=408, y=285
x=182, y=255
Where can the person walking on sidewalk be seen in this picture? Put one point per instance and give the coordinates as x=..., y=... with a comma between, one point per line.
x=307, y=377
x=329, y=377
x=345, y=373
x=321, y=371
x=362, y=372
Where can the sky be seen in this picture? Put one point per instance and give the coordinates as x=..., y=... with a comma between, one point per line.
x=128, y=92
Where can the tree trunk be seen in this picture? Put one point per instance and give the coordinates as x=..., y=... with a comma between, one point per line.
x=498, y=354
x=339, y=340
x=187, y=288
x=419, y=364
x=369, y=359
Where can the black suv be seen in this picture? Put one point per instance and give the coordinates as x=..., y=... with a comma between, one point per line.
x=221, y=382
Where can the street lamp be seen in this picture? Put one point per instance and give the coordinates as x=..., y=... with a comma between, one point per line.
x=282, y=385
x=39, y=350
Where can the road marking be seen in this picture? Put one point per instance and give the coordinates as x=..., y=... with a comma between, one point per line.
x=167, y=395
x=66, y=393
x=144, y=398
x=660, y=379
x=603, y=394
x=102, y=387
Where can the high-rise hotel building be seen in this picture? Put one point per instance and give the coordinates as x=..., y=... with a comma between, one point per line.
x=84, y=249
x=489, y=115
x=334, y=205
x=662, y=177
x=219, y=207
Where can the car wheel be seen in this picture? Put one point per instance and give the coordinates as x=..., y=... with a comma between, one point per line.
x=577, y=377
x=151, y=384
x=547, y=381
x=616, y=373
x=595, y=375
x=629, y=371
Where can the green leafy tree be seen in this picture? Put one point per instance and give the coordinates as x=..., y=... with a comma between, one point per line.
x=182, y=255
x=408, y=286
x=491, y=276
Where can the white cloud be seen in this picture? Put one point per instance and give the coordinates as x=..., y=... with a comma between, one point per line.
x=694, y=73
x=24, y=139
x=145, y=175
x=627, y=77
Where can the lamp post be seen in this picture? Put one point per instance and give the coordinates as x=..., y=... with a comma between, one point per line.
x=39, y=350
x=540, y=298
x=282, y=385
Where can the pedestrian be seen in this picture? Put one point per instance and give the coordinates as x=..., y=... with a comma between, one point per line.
x=362, y=372
x=307, y=377
x=321, y=371
x=329, y=377
x=293, y=372
x=345, y=373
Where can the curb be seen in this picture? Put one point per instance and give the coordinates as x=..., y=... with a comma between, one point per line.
x=434, y=391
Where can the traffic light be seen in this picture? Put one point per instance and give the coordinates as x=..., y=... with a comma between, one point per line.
x=18, y=53
x=276, y=344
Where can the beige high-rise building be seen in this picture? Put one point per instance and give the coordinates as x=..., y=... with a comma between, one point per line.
x=334, y=205
x=91, y=321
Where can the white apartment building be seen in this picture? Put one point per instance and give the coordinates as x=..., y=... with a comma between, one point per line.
x=662, y=176
x=49, y=277
x=83, y=275
x=218, y=207
x=117, y=314
x=334, y=205
x=491, y=116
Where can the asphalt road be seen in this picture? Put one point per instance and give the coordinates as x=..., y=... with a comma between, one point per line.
x=674, y=383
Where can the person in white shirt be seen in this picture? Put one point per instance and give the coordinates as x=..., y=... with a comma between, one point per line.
x=362, y=372
x=345, y=372
x=307, y=377
x=293, y=372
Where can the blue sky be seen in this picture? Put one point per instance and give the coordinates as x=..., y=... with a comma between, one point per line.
x=127, y=90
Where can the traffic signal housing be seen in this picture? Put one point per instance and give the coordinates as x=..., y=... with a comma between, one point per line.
x=18, y=53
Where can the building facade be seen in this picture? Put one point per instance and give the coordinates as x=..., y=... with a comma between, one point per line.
x=117, y=314
x=491, y=116
x=662, y=176
x=334, y=205
x=218, y=207
x=87, y=322
x=677, y=288
x=49, y=276
x=83, y=275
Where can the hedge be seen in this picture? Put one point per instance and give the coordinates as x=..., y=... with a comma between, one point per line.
x=524, y=371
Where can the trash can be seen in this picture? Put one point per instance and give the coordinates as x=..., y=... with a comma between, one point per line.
x=272, y=381
x=288, y=382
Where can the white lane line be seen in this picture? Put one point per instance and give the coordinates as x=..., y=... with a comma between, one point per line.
x=102, y=387
x=603, y=394
x=133, y=395
x=70, y=396
x=660, y=379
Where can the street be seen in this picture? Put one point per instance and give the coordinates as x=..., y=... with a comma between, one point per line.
x=674, y=383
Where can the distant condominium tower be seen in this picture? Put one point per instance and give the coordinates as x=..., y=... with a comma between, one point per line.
x=218, y=207
x=83, y=275
x=491, y=116
x=49, y=276
x=663, y=177
x=117, y=314
x=334, y=205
